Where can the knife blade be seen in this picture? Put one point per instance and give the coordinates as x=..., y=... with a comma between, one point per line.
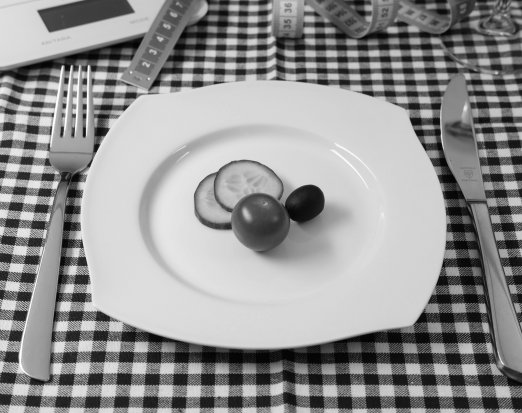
x=461, y=153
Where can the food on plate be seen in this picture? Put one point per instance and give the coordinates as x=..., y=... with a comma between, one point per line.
x=305, y=203
x=243, y=177
x=245, y=195
x=260, y=221
x=206, y=208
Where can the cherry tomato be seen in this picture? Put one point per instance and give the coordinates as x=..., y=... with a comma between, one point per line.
x=260, y=222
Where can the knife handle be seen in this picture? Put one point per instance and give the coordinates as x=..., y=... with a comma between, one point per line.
x=504, y=326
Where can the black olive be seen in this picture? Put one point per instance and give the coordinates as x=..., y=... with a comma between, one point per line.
x=305, y=203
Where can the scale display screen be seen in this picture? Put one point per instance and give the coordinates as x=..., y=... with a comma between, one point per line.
x=83, y=12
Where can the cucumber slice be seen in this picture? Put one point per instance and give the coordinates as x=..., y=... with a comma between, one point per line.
x=206, y=208
x=239, y=178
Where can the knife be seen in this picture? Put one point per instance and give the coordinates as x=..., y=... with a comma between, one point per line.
x=460, y=149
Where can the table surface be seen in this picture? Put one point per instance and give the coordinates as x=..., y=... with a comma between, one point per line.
x=443, y=362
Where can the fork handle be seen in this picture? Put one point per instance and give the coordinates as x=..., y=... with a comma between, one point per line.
x=35, y=348
x=505, y=328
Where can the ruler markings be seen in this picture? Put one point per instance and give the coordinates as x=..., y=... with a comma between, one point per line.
x=158, y=42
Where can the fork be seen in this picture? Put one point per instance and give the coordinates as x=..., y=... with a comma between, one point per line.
x=68, y=154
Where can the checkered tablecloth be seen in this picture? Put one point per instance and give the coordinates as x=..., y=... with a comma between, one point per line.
x=442, y=363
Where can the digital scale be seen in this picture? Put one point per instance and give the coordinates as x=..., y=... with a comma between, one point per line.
x=32, y=31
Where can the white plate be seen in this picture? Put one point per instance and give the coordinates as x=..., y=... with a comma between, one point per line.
x=369, y=262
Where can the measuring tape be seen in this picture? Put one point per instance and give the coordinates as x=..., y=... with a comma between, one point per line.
x=288, y=16
x=161, y=38
x=288, y=21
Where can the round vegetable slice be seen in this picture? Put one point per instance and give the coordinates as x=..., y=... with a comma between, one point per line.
x=206, y=208
x=244, y=177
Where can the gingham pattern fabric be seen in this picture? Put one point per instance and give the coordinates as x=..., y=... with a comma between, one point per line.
x=442, y=363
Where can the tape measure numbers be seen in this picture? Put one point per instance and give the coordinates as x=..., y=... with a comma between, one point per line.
x=288, y=16
x=161, y=38
x=351, y=23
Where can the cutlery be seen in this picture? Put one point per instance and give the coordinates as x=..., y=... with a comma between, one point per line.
x=460, y=149
x=69, y=154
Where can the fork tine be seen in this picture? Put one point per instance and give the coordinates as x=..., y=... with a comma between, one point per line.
x=89, y=132
x=67, y=131
x=78, y=127
x=57, y=119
